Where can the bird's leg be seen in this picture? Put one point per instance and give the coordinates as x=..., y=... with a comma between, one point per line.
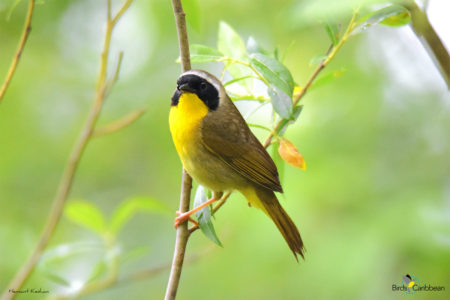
x=190, y=218
x=183, y=217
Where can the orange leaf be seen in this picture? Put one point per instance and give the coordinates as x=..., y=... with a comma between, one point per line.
x=289, y=154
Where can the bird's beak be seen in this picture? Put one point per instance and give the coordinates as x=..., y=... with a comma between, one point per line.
x=185, y=88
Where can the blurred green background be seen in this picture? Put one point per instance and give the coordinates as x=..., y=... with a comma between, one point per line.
x=373, y=205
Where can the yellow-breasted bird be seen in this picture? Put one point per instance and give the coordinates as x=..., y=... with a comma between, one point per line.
x=220, y=152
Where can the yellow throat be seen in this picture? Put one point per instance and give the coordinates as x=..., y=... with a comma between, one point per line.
x=184, y=120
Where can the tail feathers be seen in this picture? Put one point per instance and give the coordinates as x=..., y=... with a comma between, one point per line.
x=281, y=219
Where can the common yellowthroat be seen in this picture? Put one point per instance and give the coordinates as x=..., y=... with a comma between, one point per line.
x=220, y=152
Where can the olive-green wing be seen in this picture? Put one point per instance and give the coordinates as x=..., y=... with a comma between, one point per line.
x=231, y=140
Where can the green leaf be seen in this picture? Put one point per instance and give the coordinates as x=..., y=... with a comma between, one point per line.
x=397, y=20
x=11, y=9
x=286, y=51
x=128, y=208
x=232, y=46
x=316, y=60
x=238, y=79
x=98, y=270
x=60, y=253
x=254, y=47
x=135, y=253
x=192, y=9
x=274, y=72
x=276, y=55
x=307, y=12
x=230, y=43
x=281, y=102
x=392, y=15
x=201, y=54
x=295, y=114
x=259, y=126
x=327, y=78
x=56, y=278
x=85, y=214
x=204, y=216
x=279, y=162
x=332, y=30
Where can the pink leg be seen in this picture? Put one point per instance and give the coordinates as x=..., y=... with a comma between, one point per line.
x=185, y=216
x=190, y=218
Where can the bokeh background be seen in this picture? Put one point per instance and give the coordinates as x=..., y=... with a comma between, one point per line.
x=373, y=204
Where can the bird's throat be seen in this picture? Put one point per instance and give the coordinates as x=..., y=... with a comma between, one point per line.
x=184, y=120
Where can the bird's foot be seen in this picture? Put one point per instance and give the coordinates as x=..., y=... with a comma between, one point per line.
x=183, y=217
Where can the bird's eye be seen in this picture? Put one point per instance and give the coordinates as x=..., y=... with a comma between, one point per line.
x=203, y=86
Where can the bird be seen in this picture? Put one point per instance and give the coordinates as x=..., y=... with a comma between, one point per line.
x=220, y=152
x=409, y=281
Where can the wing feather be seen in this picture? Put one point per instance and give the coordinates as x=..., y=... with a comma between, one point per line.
x=232, y=141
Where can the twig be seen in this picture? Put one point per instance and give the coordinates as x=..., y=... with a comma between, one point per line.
x=316, y=72
x=23, y=40
x=120, y=123
x=116, y=74
x=429, y=38
x=244, y=63
x=186, y=184
x=297, y=99
x=181, y=240
x=183, y=42
x=70, y=168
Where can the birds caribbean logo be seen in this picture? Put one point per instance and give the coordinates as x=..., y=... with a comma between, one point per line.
x=410, y=281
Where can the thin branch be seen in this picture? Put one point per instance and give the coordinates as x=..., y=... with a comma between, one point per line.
x=316, y=72
x=181, y=240
x=430, y=40
x=120, y=123
x=108, y=10
x=240, y=78
x=113, y=81
x=23, y=40
x=186, y=184
x=121, y=11
x=68, y=174
x=183, y=42
x=260, y=99
x=244, y=63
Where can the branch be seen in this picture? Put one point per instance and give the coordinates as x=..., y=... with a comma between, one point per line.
x=120, y=123
x=181, y=240
x=186, y=184
x=430, y=40
x=23, y=40
x=69, y=171
x=316, y=72
x=183, y=42
x=113, y=81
